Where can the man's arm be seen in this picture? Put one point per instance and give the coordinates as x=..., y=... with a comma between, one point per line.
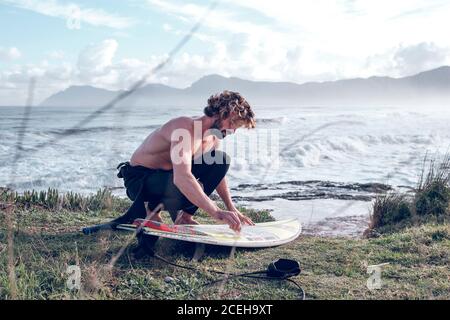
x=224, y=193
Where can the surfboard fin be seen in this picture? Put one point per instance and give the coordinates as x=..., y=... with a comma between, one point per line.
x=145, y=246
x=199, y=251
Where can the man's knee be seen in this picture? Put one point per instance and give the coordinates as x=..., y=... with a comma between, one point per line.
x=215, y=162
x=213, y=157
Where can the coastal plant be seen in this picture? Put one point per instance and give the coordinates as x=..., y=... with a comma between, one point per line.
x=430, y=201
x=390, y=209
x=433, y=190
x=53, y=200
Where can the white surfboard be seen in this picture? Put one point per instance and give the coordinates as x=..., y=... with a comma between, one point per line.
x=262, y=235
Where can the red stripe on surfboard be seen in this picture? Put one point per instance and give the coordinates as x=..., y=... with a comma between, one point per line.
x=166, y=227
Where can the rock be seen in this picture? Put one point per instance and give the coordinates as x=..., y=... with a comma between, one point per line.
x=169, y=279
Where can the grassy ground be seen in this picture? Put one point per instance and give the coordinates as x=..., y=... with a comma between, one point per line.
x=46, y=241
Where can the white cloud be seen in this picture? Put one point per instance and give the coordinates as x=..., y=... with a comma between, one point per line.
x=95, y=66
x=69, y=12
x=404, y=60
x=14, y=82
x=167, y=27
x=56, y=55
x=331, y=39
x=96, y=57
x=419, y=57
x=9, y=54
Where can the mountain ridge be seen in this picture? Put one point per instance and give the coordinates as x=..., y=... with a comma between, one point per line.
x=427, y=86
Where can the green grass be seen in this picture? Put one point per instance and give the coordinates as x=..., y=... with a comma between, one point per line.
x=47, y=240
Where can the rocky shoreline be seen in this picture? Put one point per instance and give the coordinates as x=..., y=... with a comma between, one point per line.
x=310, y=190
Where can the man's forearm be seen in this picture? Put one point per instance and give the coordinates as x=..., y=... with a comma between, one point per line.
x=190, y=187
x=224, y=193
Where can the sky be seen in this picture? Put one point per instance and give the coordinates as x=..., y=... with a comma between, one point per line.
x=111, y=44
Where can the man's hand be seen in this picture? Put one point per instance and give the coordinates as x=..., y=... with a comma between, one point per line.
x=229, y=217
x=243, y=218
x=224, y=192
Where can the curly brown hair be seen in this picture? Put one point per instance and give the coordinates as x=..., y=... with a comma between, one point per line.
x=231, y=103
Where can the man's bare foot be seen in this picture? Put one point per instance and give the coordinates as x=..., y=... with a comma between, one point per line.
x=156, y=217
x=185, y=218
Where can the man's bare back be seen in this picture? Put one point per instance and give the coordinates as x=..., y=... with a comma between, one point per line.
x=154, y=152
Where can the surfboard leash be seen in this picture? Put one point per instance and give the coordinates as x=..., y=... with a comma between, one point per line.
x=278, y=270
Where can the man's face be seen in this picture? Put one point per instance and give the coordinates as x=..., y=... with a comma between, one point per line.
x=225, y=126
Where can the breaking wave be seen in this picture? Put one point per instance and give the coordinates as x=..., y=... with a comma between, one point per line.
x=268, y=121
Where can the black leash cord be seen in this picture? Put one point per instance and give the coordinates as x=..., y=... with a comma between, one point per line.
x=251, y=275
x=254, y=275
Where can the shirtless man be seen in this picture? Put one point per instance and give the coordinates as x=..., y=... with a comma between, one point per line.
x=178, y=165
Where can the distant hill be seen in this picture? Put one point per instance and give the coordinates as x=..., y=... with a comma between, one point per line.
x=426, y=87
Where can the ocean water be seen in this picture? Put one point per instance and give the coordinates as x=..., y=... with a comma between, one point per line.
x=290, y=145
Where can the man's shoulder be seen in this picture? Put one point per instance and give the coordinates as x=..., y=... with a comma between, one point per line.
x=181, y=123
